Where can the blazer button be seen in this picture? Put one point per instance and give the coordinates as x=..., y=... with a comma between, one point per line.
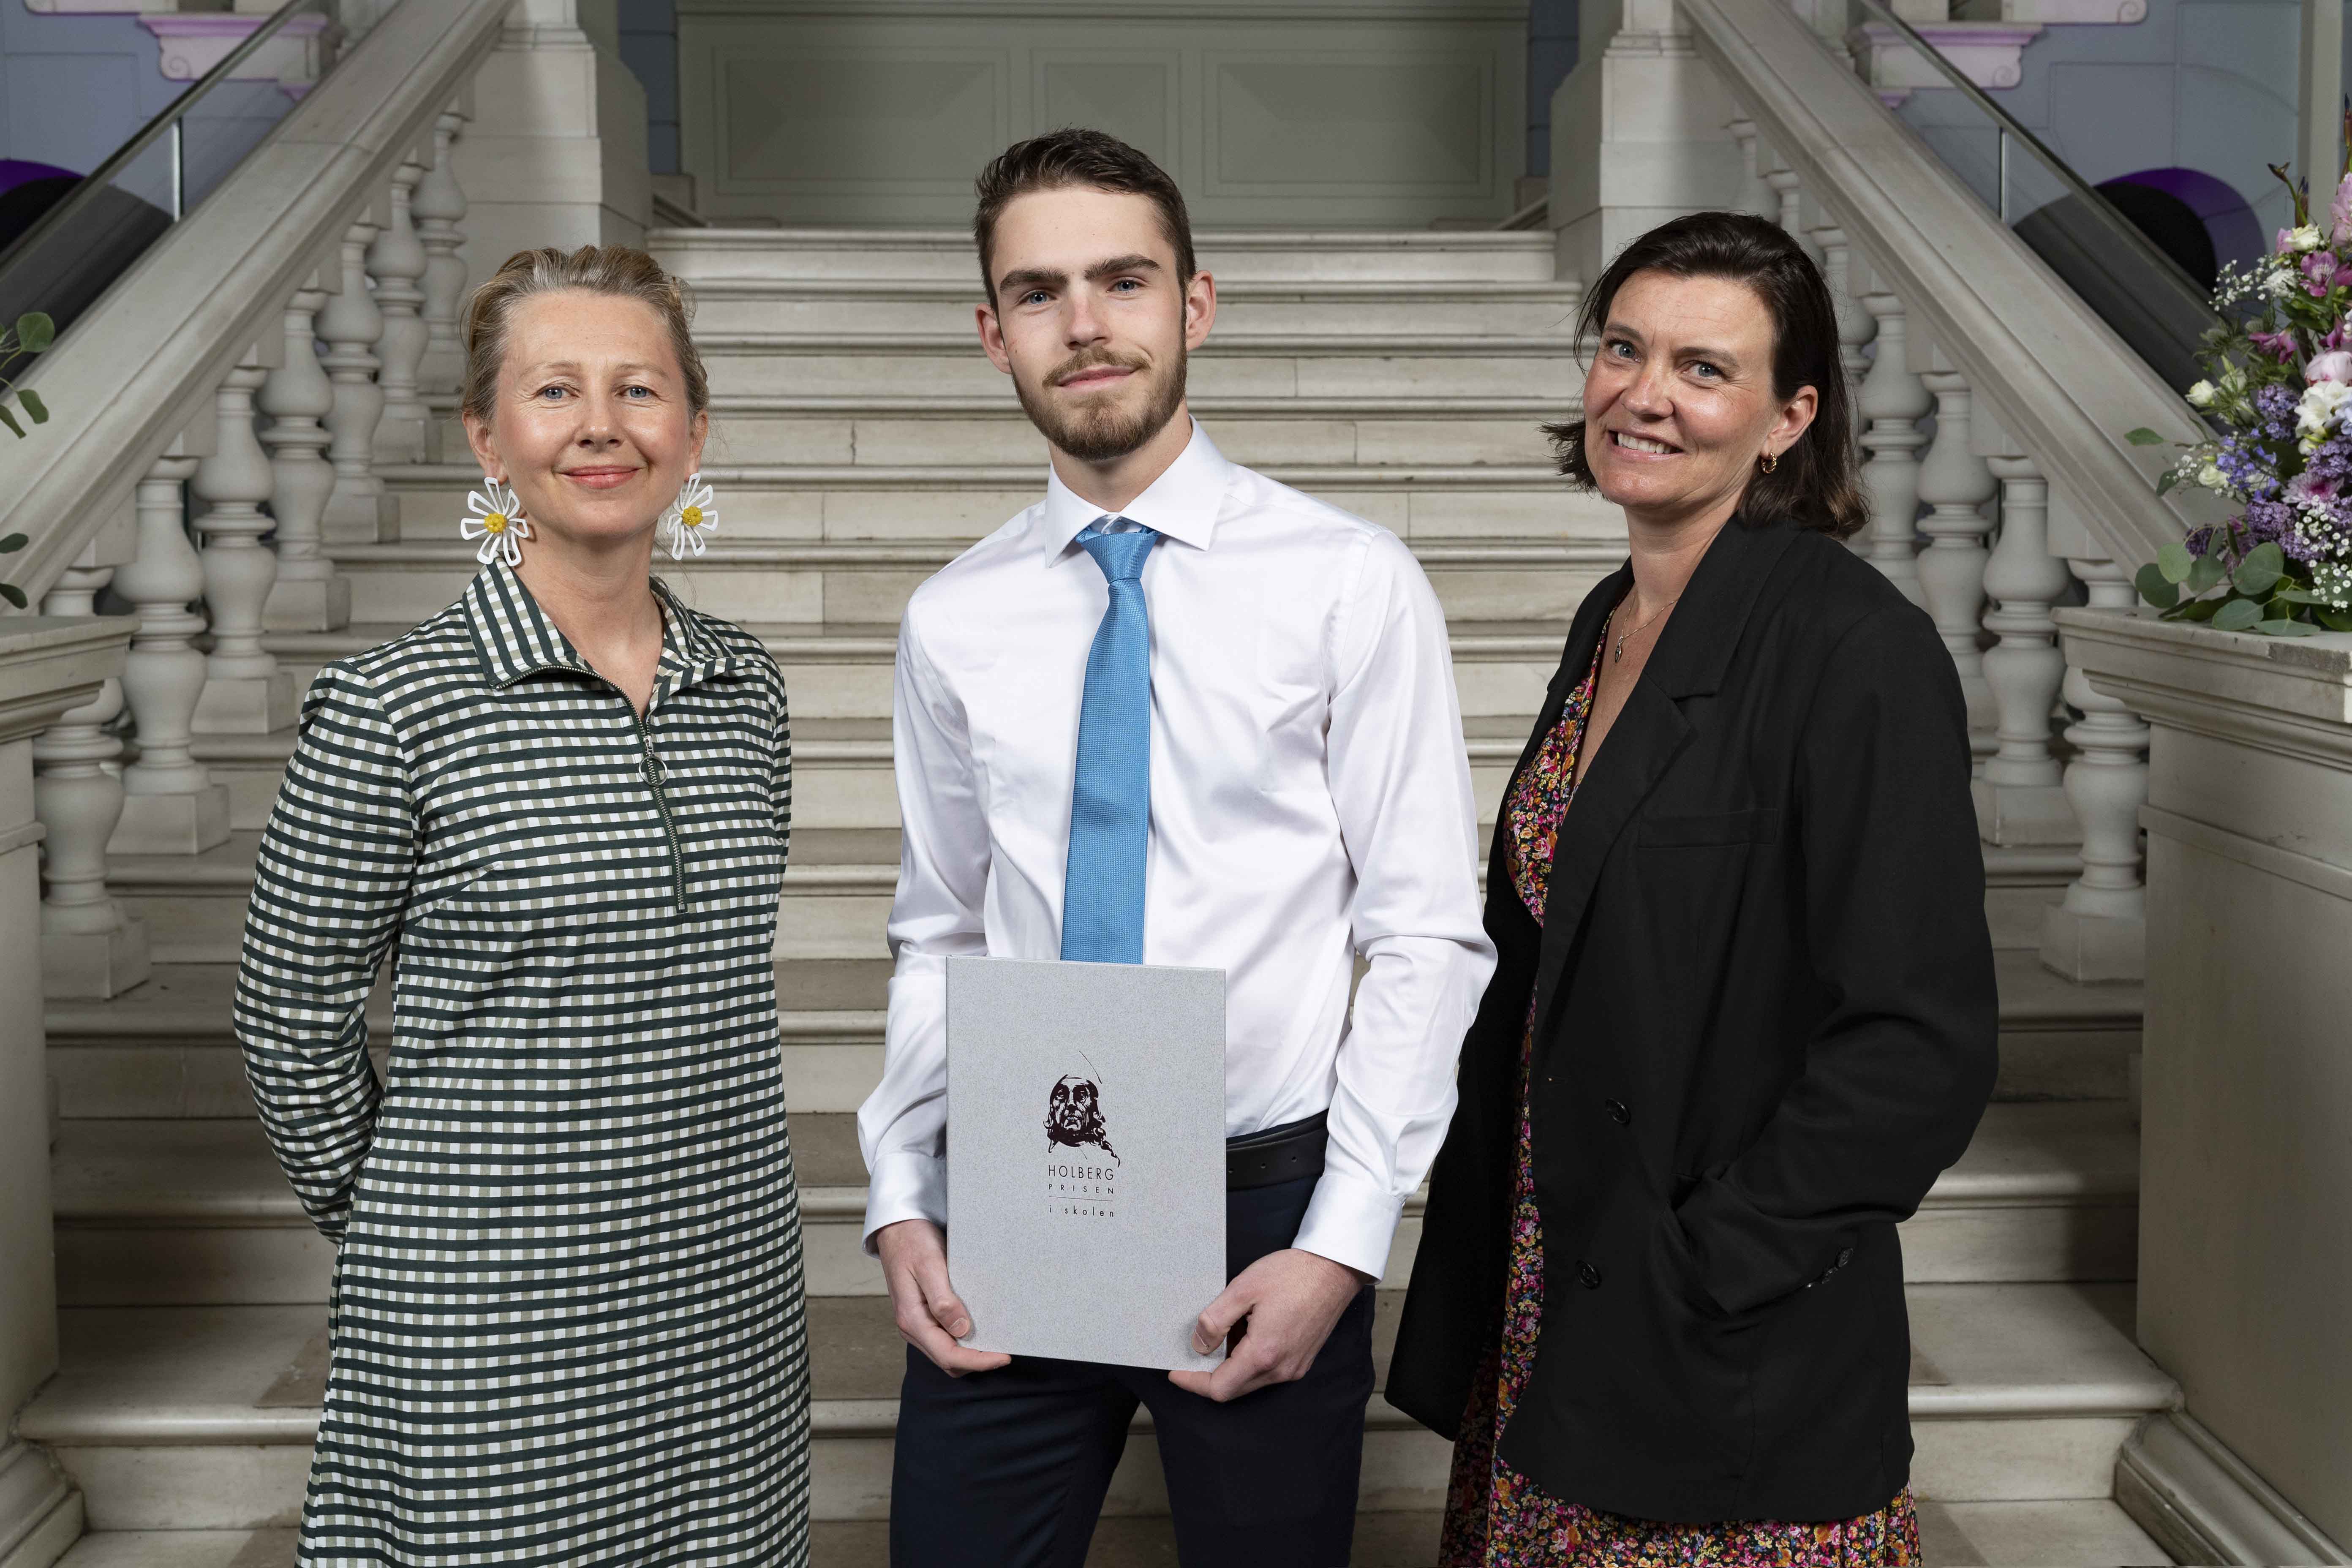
x=1587, y=1276
x=1619, y=1114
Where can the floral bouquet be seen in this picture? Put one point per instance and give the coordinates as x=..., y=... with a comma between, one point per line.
x=2280, y=398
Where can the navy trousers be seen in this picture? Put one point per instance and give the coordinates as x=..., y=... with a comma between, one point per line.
x=1008, y=1469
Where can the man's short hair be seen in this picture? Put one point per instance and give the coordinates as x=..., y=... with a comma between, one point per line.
x=1077, y=157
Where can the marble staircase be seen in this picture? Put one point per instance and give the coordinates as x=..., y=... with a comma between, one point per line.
x=1399, y=375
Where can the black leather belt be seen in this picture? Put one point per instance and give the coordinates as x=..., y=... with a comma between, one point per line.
x=1284, y=1154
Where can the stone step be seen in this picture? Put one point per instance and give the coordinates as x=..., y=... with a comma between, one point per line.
x=758, y=582
x=841, y=770
x=178, y=1418
x=2085, y=1532
x=847, y=501
x=822, y=308
x=1501, y=669
x=986, y=429
x=164, y=1048
x=700, y=256
x=1403, y=377
x=196, y=1212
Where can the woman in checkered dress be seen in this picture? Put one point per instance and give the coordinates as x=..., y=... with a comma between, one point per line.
x=567, y=1320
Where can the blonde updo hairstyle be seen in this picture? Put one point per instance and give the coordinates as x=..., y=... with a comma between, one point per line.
x=615, y=269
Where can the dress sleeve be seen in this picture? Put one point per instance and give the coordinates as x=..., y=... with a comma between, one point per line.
x=783, y=791
x=1897, y=1073
x=329, y=886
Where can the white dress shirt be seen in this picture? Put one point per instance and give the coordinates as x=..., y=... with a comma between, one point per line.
x=1310, y=800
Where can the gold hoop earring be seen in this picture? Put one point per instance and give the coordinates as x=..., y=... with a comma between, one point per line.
x=1768, y=461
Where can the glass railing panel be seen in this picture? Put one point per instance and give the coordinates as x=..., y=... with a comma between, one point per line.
x=2131, y=255
x=63, y=245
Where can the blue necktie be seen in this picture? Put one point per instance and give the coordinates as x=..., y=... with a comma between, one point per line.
x=1110, y=802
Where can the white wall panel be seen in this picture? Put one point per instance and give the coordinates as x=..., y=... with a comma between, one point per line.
x=1278, y=114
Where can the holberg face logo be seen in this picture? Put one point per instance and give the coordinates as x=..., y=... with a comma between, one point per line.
x=1074, y=1117
x=1079, y=1181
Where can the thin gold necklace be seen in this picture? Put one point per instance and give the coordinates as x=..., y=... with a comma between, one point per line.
x=1617, y=654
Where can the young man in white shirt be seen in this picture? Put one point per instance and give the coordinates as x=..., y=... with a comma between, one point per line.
x=1309, y=801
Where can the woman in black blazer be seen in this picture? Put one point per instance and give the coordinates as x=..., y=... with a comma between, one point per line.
x=1744, y=1011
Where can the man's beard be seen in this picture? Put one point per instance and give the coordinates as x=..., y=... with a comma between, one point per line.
x=1098, y=431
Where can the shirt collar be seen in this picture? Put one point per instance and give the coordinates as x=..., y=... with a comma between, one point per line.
x=1182, y=504
x=516, y=637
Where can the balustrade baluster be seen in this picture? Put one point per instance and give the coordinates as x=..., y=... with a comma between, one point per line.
x=246, y=691
x=309, y=594
x=1855, y=325
x=89, y=948
x=1756, y=196
x=1892, y=400
x=359, y=511
x=2018, y=796
x=2098, y=930
x=1956, y=483
x=439, y=206
x=171, y=804
x=397, y=261
x=1788, y=193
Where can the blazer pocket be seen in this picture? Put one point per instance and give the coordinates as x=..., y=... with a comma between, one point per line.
x=1757, y=825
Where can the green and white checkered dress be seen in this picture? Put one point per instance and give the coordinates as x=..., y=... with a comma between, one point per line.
x=568, y=1322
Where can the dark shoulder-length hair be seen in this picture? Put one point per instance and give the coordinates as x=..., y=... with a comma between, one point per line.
x=1814, y=484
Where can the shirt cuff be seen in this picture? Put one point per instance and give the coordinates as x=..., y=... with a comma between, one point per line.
x=905, y=1185
x=1351, y=1222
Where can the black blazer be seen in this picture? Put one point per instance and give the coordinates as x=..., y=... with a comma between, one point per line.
x=1765, y=1021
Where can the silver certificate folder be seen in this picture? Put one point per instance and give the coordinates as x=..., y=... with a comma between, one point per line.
x=1086, y=1157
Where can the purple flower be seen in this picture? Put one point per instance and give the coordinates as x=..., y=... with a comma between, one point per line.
x=2279, y=345
x=2339, y=211
x=2309, y=486
x=2319, y=270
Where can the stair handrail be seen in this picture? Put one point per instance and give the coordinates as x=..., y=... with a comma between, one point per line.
x=142, y=364
x=2059, y=379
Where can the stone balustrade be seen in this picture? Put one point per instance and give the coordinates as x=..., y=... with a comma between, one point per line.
x=1935, y=451
x=228, y=534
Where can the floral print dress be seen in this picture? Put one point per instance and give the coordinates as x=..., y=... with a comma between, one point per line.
x=1496, y=1518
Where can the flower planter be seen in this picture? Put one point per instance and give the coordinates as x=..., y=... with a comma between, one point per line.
x=2245, y=1250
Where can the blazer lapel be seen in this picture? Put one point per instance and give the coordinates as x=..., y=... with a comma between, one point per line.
x=1692, y=654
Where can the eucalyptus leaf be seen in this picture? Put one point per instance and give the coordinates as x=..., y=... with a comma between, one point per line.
x=2298, y=596
x=13, y=593
x=2175, y=562
x=35, y=331
x=2155, y=589
x=9, y=419
x=2165, y=480
x=2205, y=573
x=2286, y=628
x=2237, y=615
x=13, y=543
x=2144, y=436
x=2259, y=572
x=2204, y=609
x=33, y=404
x=2335, y=620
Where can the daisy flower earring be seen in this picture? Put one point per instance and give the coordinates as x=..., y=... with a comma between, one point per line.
x=498, y=521
x=690, y=518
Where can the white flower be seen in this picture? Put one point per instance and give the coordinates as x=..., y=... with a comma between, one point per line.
x=2321, y=403
x=2212, y=478
x=2308, y=238
x=2202, y=394
x=690, y=518
x=2280, y=283
x=498, y=521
